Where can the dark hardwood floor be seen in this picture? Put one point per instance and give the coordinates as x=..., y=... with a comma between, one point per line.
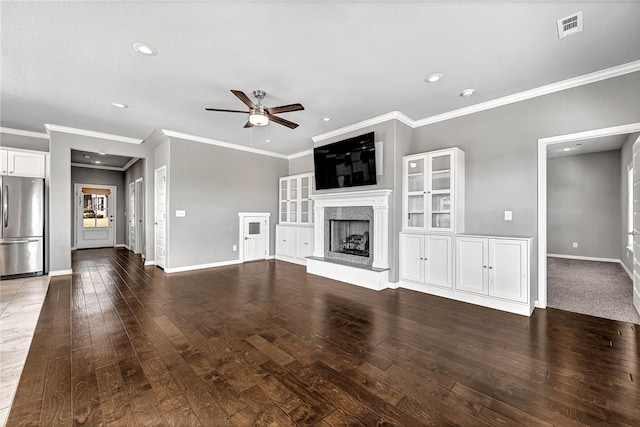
x=264, y=343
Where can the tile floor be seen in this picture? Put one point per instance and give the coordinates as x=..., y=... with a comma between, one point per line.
x=20, y=304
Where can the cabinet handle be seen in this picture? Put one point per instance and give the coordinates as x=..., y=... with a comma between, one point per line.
x=484, y=266
x=490, y=268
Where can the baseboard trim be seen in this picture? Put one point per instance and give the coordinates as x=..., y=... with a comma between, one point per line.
x=122, y=245
x=583, y=258
x=201, y=266
x=271, y=257
x=149, y=262
x=60, y=272
x=629, y=272
x=73, y=248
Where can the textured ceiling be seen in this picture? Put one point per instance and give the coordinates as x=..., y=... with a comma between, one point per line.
x=64, y=62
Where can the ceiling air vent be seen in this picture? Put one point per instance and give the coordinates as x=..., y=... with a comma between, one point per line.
x=570, y=25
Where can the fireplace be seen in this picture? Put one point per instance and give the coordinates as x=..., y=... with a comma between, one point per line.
x=349, y=237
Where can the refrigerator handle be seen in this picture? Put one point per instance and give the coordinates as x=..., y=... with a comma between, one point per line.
x=5, y=206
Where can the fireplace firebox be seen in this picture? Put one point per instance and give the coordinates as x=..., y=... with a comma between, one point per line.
x=349, y=237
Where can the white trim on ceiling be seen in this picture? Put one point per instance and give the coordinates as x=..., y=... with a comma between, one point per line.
x=596, y=76
x=300, y=154
x=397, y=115
x=21, y=132
x=209, y=141
x=109, y=168
x=130, y=163
x=56, y=128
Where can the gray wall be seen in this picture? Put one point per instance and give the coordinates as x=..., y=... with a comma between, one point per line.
x=60, y=190
x=501, y=149
x=626, y=158
x=102, y=177
x=583, y=205
x=302, y=164
x=213, y=184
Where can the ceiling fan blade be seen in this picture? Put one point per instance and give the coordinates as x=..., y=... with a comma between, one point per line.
x=226, y=111
x=244, y=98
x=282, y=121
x=285, y=108
x=248, y=124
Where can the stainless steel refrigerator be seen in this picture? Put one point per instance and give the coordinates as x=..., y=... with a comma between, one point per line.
x=22, y=231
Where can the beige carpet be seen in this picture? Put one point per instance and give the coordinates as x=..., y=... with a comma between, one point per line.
x=601, y=289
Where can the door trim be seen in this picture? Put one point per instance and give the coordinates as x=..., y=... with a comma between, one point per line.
x=543, y=144
x=155, y=219
x=242, y=216
x=77, y=187
x=139, y=210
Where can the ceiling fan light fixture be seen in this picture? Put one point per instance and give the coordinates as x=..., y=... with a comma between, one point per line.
x=258, y=118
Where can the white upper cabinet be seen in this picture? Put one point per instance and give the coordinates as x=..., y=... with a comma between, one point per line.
x=433, y=191
x=22, y=163
x=294, y=199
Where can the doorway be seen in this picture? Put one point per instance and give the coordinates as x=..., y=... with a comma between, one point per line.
x=95, y=215
x=254, y=236
x=544, y=147
x=160, y=223
x=136, y=216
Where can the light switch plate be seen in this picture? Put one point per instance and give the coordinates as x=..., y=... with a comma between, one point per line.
x=181, y=213
x=508, y=215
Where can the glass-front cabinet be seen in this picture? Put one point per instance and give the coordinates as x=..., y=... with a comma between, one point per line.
x=434, y=191
x=295, y=203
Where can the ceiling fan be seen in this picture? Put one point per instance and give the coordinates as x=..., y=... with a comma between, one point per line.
x=259, y=115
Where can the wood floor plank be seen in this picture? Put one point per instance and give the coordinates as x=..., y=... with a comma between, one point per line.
x=263, y=343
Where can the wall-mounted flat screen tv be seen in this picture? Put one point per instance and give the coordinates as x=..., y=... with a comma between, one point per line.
x=348, y=163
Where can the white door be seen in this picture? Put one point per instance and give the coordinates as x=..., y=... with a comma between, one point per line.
x=508, y=260
x=472, y=264
x=161, y=216
x=437, y=256
x=411, y=257
x=95, y=216
x=636, y=226
x=139, y=214
x=254, y=245
x=131, y=211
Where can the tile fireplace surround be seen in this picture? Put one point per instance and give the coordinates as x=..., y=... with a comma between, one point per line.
x=374, y=277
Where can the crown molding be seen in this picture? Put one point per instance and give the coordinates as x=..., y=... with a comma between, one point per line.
x=209, y=141
x=300, y=154
x=21, y=132
x=585, y=79
x=597, y=76
x=108, y=168
x=64, y=129
x=365, y=123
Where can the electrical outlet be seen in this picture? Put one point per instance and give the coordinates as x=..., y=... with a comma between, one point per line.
x=575, y=244
x=508, y=215
x=235, y=248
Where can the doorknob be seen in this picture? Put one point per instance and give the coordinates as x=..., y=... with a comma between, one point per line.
x=246, y=238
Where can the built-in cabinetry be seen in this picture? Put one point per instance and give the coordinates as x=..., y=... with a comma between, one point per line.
x=426, y=259
x=294, y=199
x=433, y=191
x=294, y=243
x=294, y=233
x=22, y=163
x=491, y=271
x=493, y=266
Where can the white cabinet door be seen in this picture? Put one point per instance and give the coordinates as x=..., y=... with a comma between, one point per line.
x=412, y=257
x=508, y=269
x=286, y=241
x=284, y=197
x=304, y=242
x=23, y=163
x=4, y=170
x=472, y=265
x=437, y=256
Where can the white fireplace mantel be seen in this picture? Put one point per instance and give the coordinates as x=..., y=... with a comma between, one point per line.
x=377, y=199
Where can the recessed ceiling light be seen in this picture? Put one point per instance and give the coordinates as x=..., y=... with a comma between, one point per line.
x=97, y=162
x=567, y=149
x=145, y=49
x=467, y=93
x=102, y=154
x=326, y=119
x=86, y=156
x=119, y=105
x=267, y=141
x=432, y=78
